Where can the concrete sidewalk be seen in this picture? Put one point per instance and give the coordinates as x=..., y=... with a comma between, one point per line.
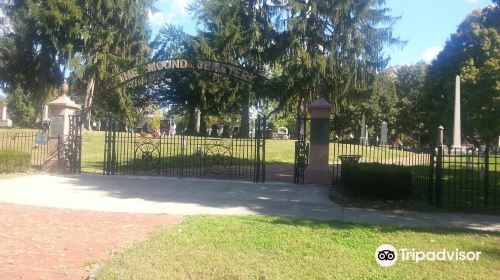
x=176, y=196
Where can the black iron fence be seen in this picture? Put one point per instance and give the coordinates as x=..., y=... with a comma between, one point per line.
x=441, y=176
x=25, y=141
x=349, y=149
x=183, y=155
x=464, y=178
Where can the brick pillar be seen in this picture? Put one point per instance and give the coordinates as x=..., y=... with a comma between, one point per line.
x=319, y=171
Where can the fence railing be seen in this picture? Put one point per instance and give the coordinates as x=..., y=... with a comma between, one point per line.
x=441, y=176
x=418, y=161
x=25, y=141
x=465, y=179
x=184, y=155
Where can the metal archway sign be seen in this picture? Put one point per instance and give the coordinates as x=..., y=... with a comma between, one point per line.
x=147, y=72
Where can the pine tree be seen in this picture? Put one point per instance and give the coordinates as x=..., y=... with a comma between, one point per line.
x=331, y=48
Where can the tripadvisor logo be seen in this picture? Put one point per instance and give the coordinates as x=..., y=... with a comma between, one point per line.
x=387, y=255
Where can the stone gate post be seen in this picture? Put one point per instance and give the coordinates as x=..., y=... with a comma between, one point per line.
x=319, y=171
x=59, y=111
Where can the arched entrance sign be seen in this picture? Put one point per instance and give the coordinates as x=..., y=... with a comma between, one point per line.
x=147, y=72
x=179, y=155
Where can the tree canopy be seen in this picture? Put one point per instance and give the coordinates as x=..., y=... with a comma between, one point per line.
x=473, y=53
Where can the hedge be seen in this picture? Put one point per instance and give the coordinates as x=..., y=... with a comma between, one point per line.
x=375, y=180
x=14, y=161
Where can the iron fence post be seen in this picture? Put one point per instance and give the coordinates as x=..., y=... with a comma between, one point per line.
x=430, y=194
x=486, y=175
x=264, y=125
x=439, y=169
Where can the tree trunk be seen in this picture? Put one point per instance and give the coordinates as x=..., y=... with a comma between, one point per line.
x=245, y=115
x=43, y=87
x=191, y=125
x=89, y=94
x=203, y=124
x=301, y=113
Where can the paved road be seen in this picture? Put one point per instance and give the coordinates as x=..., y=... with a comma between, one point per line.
x=134, y=194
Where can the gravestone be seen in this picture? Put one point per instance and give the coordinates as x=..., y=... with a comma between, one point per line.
x=383, y=134
x=213, y=132
x=4, y=120
x=362, y=137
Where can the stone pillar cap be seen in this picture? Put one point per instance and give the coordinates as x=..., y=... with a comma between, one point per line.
x=320, y=103
x=65, y=101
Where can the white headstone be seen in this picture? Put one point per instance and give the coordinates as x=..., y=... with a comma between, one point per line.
x=4, y=112
x=45, y=113
x=457, y=132
x=4, y=121
x=198, y=120
x=383, y=134
x=362, y=138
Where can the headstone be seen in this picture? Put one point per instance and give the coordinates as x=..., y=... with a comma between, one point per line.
x=383, y=134
x=220, y=130
x=173, y=129
x=4, y=120
x=45, y=113
x=457, y=131
x=198, y=120
x=225, y=131
x=4, y=112
x=213, y=131
x=362, y=137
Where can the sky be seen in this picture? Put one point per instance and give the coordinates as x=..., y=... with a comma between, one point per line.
x=425, y=24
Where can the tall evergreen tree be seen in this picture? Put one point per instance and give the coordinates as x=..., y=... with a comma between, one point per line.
x=36, y=46
x=236, y=32
x=331, y=48
x=114, y=37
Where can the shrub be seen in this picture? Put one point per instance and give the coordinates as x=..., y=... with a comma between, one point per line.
x=375, y=180
x=14, y=161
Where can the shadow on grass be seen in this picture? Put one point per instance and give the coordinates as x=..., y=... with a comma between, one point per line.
x=343, y=225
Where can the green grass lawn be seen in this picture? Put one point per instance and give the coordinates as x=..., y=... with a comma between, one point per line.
x=274, y=248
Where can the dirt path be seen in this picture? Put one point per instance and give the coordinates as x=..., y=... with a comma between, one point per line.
x=52, y=243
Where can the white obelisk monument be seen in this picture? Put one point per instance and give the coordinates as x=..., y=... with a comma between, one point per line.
x=383, y=134
x=457, y=131
x=362, y=138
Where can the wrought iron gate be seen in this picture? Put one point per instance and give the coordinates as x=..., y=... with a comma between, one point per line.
x=301, y=151
x=70, y=145
x=130, y=153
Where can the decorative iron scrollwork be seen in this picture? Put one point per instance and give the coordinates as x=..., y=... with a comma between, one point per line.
x=147, y=153
x=69, y=147
x=218, y=157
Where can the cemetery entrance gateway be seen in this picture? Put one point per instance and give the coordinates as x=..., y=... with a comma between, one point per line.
x=130, y=153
